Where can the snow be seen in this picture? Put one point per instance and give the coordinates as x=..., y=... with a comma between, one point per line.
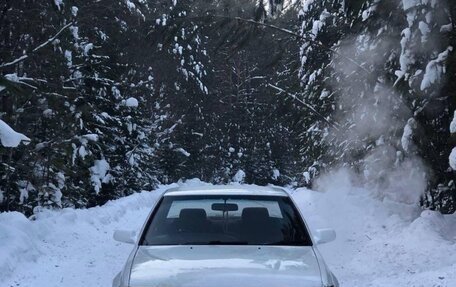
x=74, y=11
x=424, y=29
x=375, y=245
x=91, y=137
x=132, y=102
x=306, y=5
x=183, y=151
x=406, y=58
x=306, y=176
x=25, y=188
x=69, y=247
x=87, y=48
x=275, y=174
x=446, y=28
x=9, y=137
x=48, y=113
x=75, y=32
x=407, y=4
x=239, y=176
x=452, y=159
x=453, y=124
x=58, y=3
x=407, y=136
x=69, y=58
x=131, y=6
x=319, y=24
x=368, y=12
x=99, y=174
x=82, y=152
x=435, y=69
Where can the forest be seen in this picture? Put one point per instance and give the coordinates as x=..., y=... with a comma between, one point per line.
x=101, y=99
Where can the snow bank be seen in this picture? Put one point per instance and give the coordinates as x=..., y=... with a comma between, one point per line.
x=18, y=241
x=9, y=137
x=380, y=243
x=69, y=247
x=374, y=247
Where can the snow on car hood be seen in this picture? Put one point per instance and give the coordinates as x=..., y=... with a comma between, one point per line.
x=223, y=266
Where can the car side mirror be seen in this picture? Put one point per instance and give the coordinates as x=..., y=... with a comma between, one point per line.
x=125, y=236
x=324, y=235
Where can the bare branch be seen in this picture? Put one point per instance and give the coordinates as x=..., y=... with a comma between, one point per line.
x=39, y=47
x=308, y=38
x=312, y=109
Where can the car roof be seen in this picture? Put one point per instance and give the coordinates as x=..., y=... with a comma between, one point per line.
x=226, y=190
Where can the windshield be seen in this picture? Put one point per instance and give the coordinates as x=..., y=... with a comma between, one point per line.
x=225, y=220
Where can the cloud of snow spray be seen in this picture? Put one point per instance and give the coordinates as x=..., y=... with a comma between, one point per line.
x=376, y=133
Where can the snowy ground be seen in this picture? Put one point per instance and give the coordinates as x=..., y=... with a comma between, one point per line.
x=376, y=246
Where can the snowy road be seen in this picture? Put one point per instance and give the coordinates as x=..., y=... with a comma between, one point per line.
x=375, y=245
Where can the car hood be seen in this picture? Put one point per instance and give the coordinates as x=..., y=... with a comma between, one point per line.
x=223, y=266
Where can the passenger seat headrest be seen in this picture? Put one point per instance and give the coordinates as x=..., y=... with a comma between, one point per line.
x=255, y=212
x=193, y=214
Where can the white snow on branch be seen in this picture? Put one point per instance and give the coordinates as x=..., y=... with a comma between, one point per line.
x=275, y=174
x=74, y=11
x=131, y=6
x=453, y=124
x=435, y=69
x=452, y=159
x=91, y=137
x=446, y=28
x=319, y=24
x=406, y=58
x=132, y=102
x=58, y=3
x=407, y=136
x=87, y=49
x=306, y=5
x=239, y=176
x=410, y=4
x=9, y=137
x=183, y=151
x=424, y=29
x=20, y=80
x=99, y=174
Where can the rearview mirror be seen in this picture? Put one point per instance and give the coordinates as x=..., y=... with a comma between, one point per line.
x=225, y=206
x=125, y=236
x=324, y=235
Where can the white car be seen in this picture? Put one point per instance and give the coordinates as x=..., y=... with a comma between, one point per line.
x=225, y=236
